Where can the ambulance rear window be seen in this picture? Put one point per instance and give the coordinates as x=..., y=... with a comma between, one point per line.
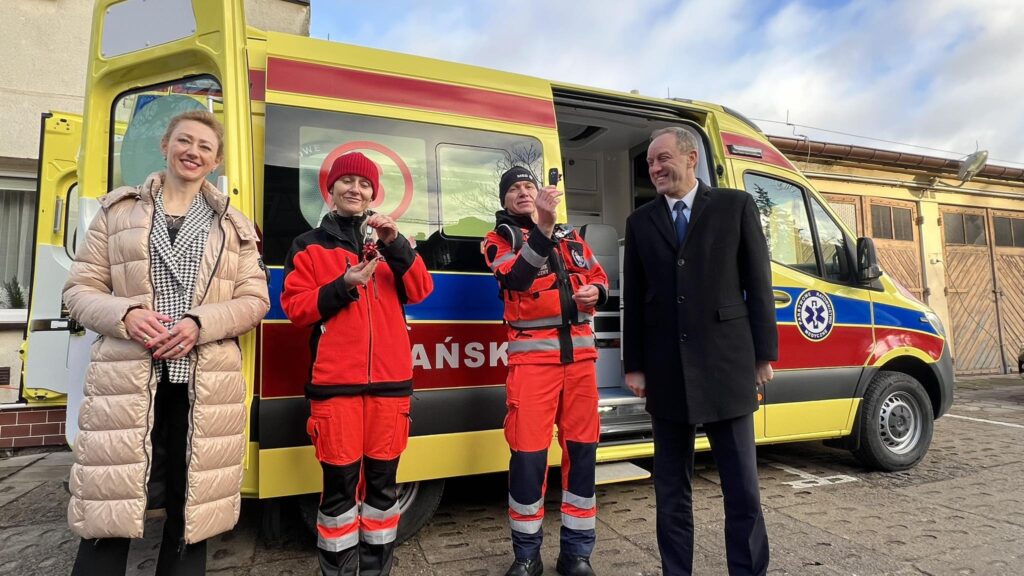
x=439, y=182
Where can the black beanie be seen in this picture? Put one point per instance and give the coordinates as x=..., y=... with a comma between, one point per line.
x=510, y=177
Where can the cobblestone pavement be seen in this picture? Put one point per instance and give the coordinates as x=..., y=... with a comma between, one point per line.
x=961, y=511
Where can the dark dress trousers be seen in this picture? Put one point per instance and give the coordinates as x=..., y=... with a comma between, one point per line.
x=696, y=320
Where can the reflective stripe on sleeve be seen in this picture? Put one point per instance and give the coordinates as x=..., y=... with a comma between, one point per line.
x=501, y=260
x=535, y=260
x=539, y=322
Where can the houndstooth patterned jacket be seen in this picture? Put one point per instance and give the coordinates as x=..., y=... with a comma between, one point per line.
x=176, y=265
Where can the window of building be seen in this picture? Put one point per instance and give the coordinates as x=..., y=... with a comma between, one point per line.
x=892, y=222
x=17, y=218
x=784, y=218
x=966, y=229
x=140, y=119
x=1008, y=231
x=439, y=182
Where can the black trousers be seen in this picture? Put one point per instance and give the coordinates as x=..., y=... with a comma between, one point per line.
x=732, y=444
x=109, y=556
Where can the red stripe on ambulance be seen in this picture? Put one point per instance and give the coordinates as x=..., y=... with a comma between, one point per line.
x=443, y=356
x=364, y=86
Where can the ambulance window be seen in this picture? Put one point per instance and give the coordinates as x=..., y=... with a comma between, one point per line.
x=301, y=146
x=785, y=222
x=439, y=182
x=469, y=178
x=139, y=120
x=833, y=245
x=71, y=221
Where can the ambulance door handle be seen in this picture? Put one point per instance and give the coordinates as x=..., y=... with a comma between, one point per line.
x=782, y=299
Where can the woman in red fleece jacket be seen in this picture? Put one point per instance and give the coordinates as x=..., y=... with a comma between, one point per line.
x=352, y=291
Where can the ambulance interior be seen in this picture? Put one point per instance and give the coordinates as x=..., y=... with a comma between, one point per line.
x=604, y=157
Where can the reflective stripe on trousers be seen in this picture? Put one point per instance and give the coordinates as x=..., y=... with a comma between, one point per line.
x=578, y=512
x=337, y=533
x=526, y=518
x=379, y=526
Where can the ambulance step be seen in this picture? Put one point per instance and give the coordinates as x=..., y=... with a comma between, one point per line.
x=613, y=472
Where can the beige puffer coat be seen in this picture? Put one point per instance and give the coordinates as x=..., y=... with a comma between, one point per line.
x=113, y=449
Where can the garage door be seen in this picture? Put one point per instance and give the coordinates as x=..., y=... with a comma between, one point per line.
x=895, y=232
x=1008, y=240
x=970, y=292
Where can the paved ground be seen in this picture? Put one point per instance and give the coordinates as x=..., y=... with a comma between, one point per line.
x=961, y=511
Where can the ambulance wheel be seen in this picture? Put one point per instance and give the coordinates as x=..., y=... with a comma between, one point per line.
x=417, y=502
x=895, y=422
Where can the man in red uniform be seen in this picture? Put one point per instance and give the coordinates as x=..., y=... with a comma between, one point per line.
x=336, y=281
x=550, y=282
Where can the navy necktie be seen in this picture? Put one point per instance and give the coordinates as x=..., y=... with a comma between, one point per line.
x=681, y=222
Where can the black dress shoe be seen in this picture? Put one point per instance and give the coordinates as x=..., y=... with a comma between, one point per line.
x=526, y=568
x=574, y=566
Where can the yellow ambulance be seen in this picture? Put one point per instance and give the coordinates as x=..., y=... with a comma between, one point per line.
x=862, y=362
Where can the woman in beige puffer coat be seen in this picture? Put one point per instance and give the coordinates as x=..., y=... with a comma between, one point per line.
x=163, y=419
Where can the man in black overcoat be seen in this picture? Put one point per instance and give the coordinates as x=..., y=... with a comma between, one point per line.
x=698, y=337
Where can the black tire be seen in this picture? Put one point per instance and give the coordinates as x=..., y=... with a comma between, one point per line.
x=417, y=502
x=271, y=527
x=896, y=422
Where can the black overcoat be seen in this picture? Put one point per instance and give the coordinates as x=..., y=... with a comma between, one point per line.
x=697, y=317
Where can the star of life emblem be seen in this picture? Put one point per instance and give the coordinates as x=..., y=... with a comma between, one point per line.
x=815, y=315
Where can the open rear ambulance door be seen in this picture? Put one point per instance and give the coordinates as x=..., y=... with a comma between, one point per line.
x=48, y=336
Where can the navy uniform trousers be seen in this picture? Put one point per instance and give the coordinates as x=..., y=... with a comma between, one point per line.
x=732, y=444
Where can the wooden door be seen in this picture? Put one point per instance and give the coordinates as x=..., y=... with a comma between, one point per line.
x=1008, y=248
x=970, y=291
x=893, y=226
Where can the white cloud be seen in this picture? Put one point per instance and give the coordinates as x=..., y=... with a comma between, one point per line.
x=940, y=73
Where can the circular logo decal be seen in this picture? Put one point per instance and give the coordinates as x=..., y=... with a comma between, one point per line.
x=403, y=168
x=814, y=315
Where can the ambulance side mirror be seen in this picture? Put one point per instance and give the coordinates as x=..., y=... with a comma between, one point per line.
x=868, y=269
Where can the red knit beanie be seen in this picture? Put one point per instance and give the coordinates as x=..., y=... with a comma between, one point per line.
x=355, y=164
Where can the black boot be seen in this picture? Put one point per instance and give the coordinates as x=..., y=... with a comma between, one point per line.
x=574, y=566
x=526, y=568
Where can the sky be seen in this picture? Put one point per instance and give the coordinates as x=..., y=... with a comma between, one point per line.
x=941, y=74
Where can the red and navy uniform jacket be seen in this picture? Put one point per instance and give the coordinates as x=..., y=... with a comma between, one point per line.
x=538, y=276
x=360, y=340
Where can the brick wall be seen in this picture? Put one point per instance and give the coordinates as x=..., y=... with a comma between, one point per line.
x=32, y=427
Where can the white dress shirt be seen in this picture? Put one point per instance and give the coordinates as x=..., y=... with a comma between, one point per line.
x=687, y=199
